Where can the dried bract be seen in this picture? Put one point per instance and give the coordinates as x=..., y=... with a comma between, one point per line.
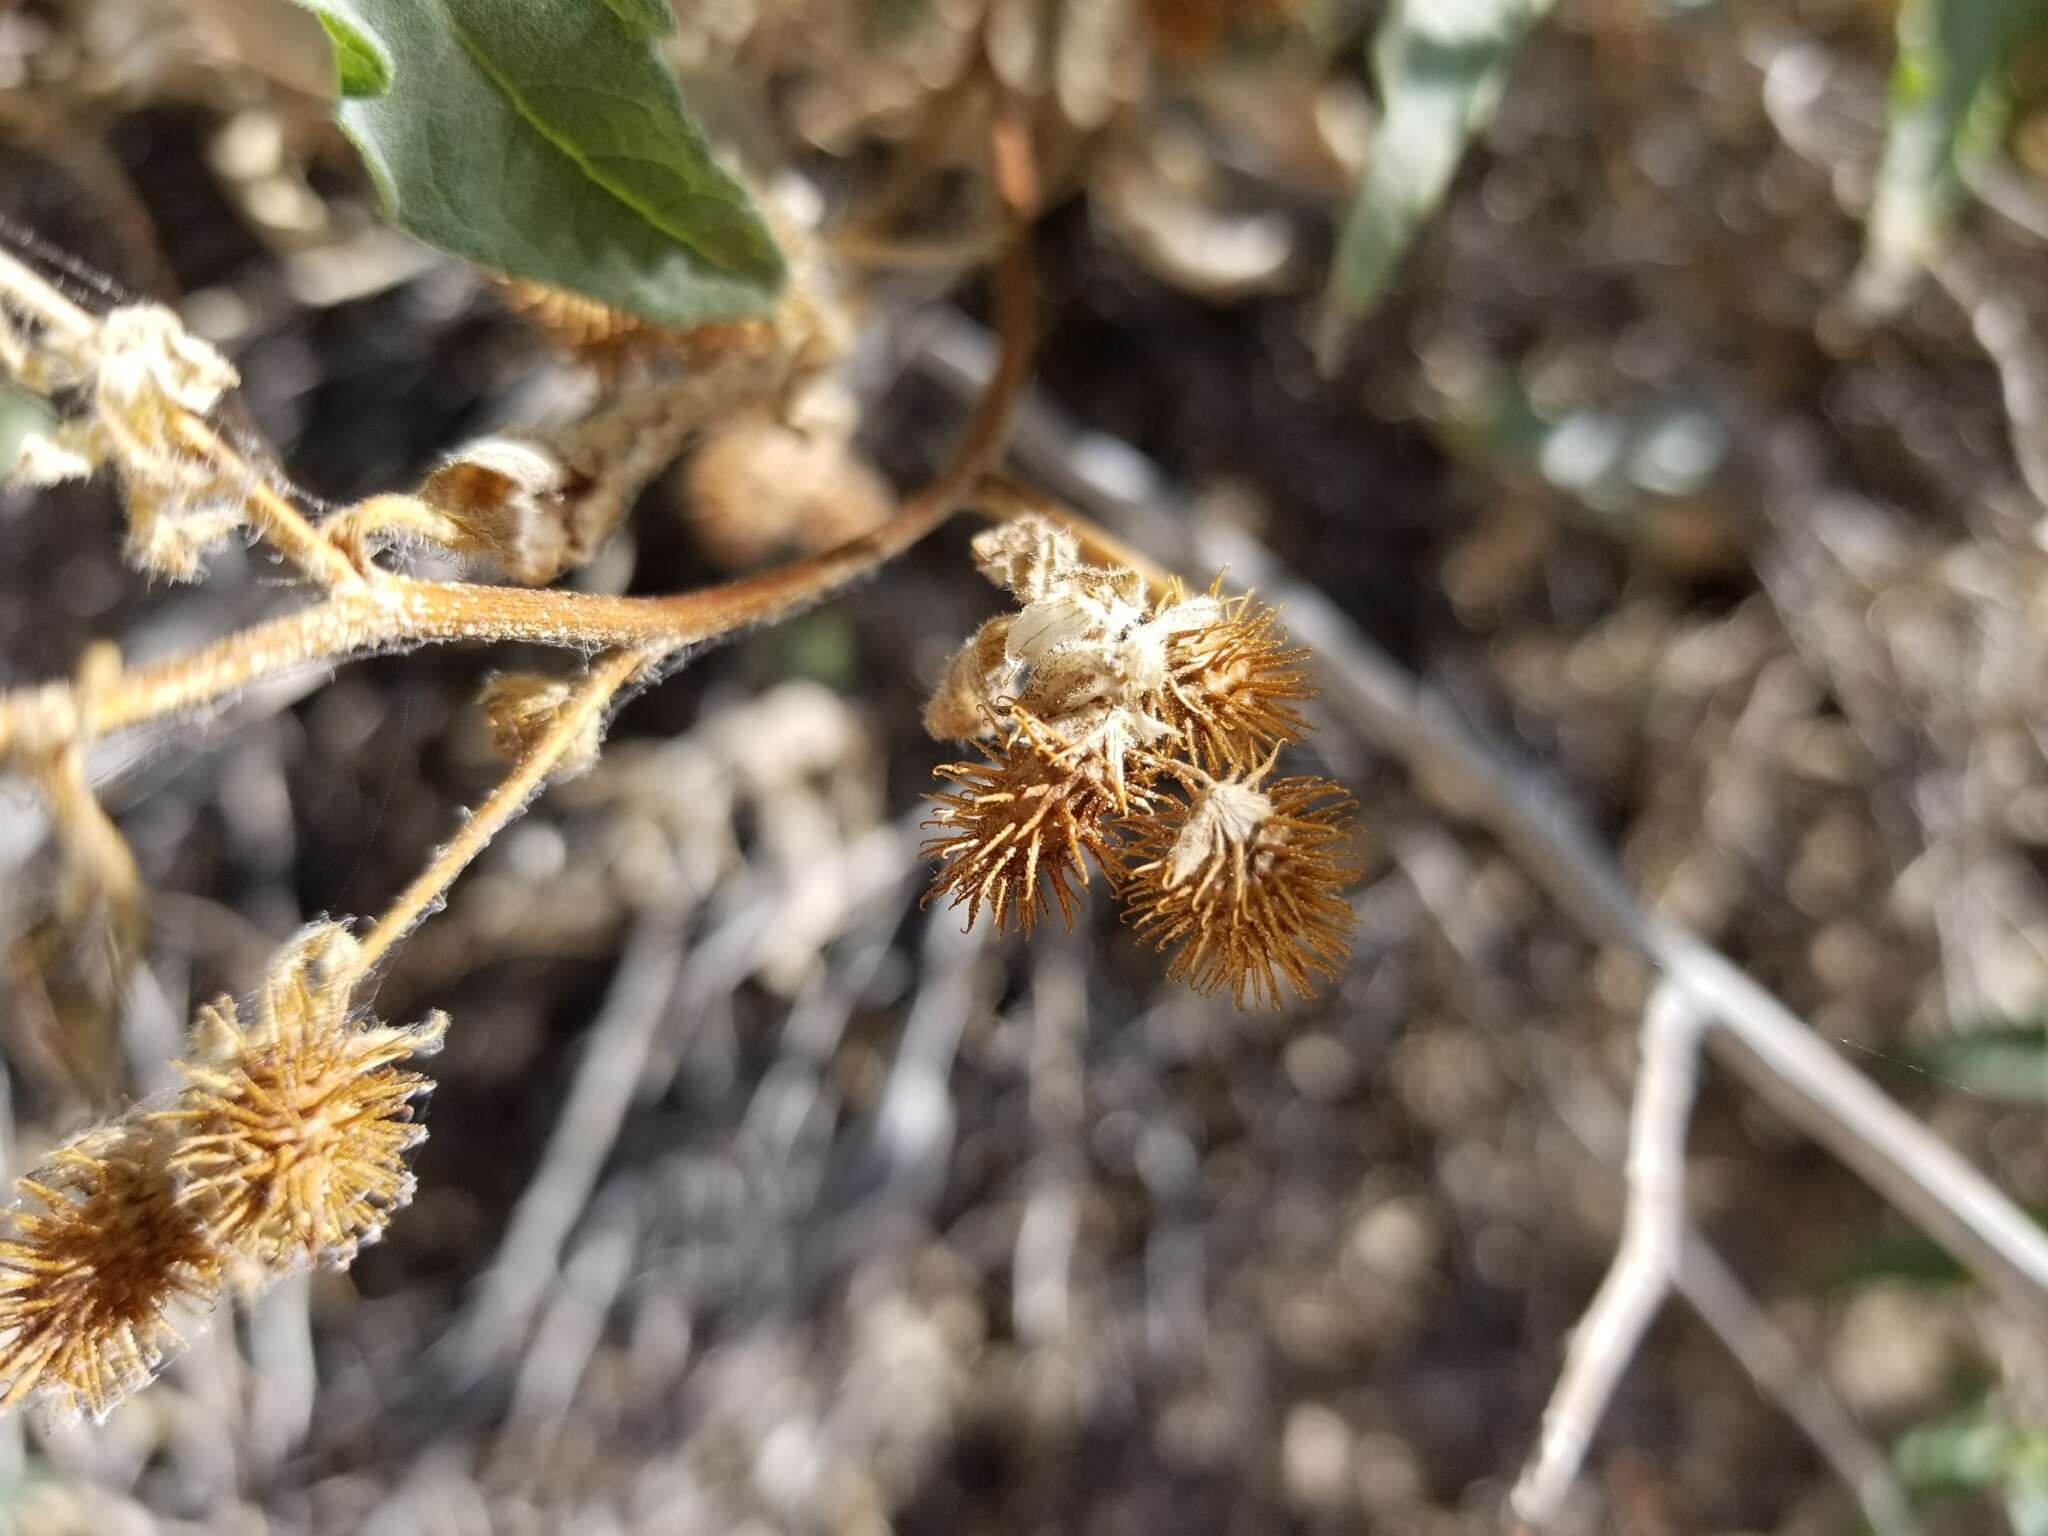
x=293, y=1130
x=975, y=691
x=609, y=340
x=1246, y=880
x=1087, y=657
x=1028, y=557
x=88, y=1283
x=507, y=500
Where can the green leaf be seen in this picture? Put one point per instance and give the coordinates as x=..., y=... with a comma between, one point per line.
x=545, y=139
x=359, y=64
x=1948, y=103
x=1967, y=1450
x=649, y=18
x=2009, y=1063
x=1440, y=68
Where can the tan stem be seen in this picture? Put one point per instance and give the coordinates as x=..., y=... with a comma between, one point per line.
x=393, y=612
x=572, y=723
x=25, y=288
x=645, y=631
x=281, y=523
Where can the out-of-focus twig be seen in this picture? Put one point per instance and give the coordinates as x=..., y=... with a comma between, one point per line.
x=1774, y=1363
x=1645, y=1262
x=1794, y=1384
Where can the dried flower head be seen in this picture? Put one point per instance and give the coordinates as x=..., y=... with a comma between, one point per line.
x=143, y=376
x=1087, y=656
x=89, y=1282
x=293, y=1131
x=508, y=500
x=1245, y=878
x=1230, y=682
x=1083, y=699
x=758, y=486
x=1017, y=826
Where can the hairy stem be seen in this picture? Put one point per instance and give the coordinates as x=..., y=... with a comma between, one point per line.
x=395, y=612
x=644, y=632
x=608, y=674
x=26, y=290
x=281, y=523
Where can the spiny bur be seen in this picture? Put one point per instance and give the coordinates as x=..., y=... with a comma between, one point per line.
x=1231, y=684
x=1018, y=825
x=1082, y=701
x=92, y=1271
x=293, y=1129
x=287, y=1146
x=1245, y=881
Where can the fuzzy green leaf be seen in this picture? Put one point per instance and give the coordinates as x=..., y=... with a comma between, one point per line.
x=546, y=139
x=650, y=18
x=1440, y=68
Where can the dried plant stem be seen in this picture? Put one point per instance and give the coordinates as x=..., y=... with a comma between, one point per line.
x=607, y=675
x=393, y=612
x=27, y=291
x=1775, y=1364
x=1645, y=1264
x=1792, y=1382
x=509, y=1295
x=275, y=518
x=397, y=612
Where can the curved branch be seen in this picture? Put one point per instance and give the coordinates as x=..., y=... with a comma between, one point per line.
x=394, y=612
